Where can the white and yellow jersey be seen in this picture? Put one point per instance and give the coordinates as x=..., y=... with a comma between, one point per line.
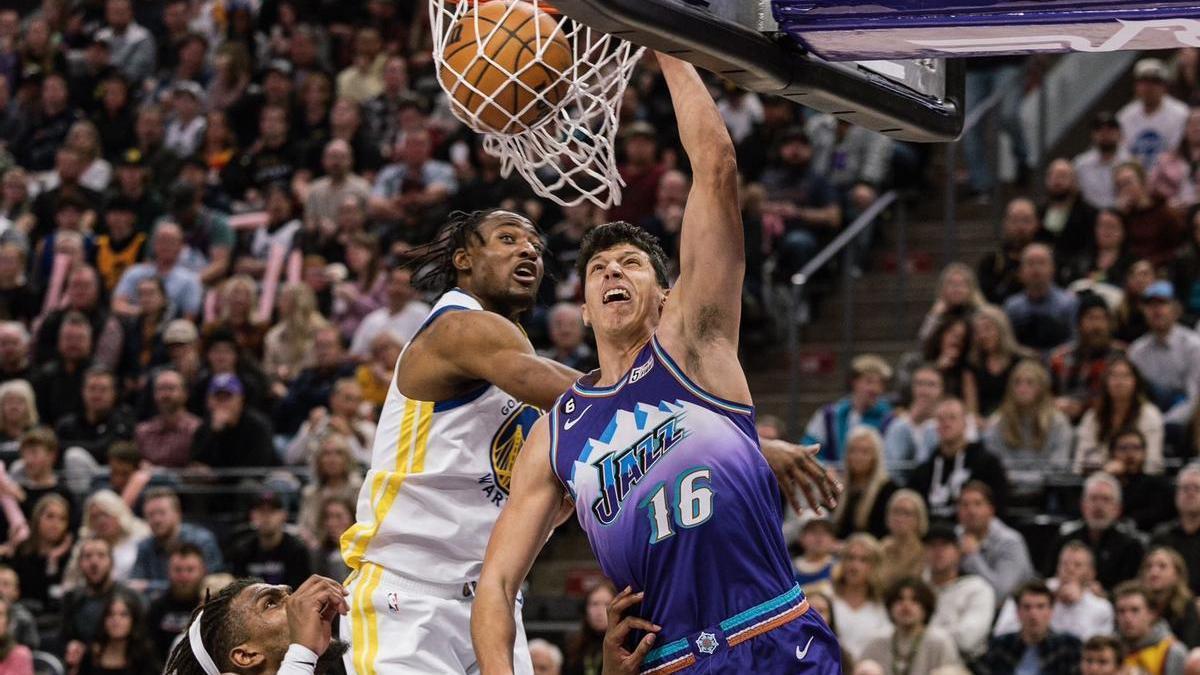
x=440, y=473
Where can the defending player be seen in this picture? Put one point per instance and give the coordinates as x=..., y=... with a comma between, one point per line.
x=658, y=450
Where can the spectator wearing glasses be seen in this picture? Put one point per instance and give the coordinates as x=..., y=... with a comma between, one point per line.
x=1183, y=533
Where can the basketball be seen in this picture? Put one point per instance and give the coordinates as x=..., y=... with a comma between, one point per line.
x=505, y=70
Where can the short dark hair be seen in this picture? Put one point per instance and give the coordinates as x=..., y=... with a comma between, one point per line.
x=162, y=492
x=124, y=451
x=99, y=371
x=608, y=235
x=1127, y=431
x=1132, y=587
x=982, y=489
x=1100, y=643
x=186, y=548
x=1033, y=587
x=921, y=591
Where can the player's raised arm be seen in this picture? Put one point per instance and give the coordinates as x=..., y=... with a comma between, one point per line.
x=707, y=296
x=486, y=346
x=534, y=504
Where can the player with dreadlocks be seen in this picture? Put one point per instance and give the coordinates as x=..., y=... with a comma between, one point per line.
x=465, y=393
x=251, y=628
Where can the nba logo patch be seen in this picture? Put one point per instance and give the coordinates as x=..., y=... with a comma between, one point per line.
x=707, y=643
x=393, y=602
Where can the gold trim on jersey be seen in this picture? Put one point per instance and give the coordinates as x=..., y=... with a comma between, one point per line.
x=385, y=485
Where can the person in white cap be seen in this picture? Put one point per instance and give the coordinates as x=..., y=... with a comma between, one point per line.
x=1153, y=122
x=252, y=627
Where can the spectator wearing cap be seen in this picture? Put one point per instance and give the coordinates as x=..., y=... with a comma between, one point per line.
x=207, y=236
x=1094, y=167
x=121, y=245
x=271, y=553
x=1077, y=368
x=326, y=193
x=183, y=287
x=362, y=80
x=1034, y=647
x=911, y=644
x=965, y=602
x=1152, y=123
x=1183, y=533
x=133, y=185
x=798, y=200
x=166, y=438
x=58, y=383
x=1080, y=608
x=1067, y=219
x=1153, y=230
x=232, y=435
x=35, y=147
x=102, y=421
x=998, y=270
x=955, y=461
x=186, y=128
x=314, y=385
x=1116, y=546
x=864, y=405
x=132, y=45
x=167, y=530
x=641, y=171
x=1042, y=314
x=413, y=190
x=1168, y=356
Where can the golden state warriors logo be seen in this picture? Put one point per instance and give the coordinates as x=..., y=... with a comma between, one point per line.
x=506, y=446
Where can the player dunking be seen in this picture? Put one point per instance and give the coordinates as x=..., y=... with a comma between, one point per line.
x=658, y=450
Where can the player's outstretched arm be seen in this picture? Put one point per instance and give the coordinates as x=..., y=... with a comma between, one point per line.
x=712, y=255
x=534, y=504
x=486, y=346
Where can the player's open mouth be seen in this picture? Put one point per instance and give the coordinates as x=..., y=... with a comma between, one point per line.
x=616, y=295
x=525, y=272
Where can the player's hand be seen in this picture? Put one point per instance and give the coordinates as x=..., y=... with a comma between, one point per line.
x=796, y=468
x=311, y=610
x=617, y=659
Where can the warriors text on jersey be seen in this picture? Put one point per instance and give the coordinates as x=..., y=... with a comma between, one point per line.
x=440, y=473
x=677, y=501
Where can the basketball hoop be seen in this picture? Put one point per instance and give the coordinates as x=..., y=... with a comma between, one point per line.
x=557, y=129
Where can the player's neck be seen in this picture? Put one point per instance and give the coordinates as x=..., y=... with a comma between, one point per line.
x=617, y=354
x=507, y=311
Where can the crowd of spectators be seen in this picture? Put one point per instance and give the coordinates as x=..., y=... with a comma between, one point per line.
x=1023, y=491
x=205, y=207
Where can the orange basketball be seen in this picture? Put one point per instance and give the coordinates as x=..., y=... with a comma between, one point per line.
x=493, y=69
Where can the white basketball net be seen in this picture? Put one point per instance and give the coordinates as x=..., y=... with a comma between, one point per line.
x=569, y=154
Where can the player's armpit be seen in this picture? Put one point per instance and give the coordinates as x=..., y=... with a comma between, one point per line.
x=486, y=346
x=534, y=506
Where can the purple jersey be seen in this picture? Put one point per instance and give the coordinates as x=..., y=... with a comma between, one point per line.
x=677, y=501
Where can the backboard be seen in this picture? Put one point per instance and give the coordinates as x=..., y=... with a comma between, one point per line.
x=882, y=63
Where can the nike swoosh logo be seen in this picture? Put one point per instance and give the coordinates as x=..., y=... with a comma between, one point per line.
x=570, y=423
x=801, y=653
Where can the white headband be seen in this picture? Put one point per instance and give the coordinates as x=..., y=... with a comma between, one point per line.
x=198, y=650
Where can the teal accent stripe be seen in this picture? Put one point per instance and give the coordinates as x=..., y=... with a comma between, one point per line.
x=693, y=387
x=669, y=649
x=758, y=611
